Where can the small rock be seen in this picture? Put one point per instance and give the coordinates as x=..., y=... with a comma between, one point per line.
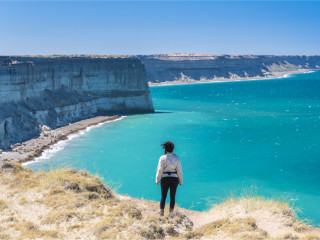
x=55, y=191
x=15, y=145
x=13, y=167
x=171, y=231
x=84, y=173
x=93, y=196
x=71, y=171
x=45, y=128
x=153, y=232
x=73, y=187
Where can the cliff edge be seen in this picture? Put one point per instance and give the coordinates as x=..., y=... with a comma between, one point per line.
x=186, y=68
x=59, y=90
x=71, y=204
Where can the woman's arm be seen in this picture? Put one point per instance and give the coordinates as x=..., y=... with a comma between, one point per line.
x=159, y=170
x=179, y=172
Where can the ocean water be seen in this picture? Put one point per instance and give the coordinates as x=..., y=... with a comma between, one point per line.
x=233, y=138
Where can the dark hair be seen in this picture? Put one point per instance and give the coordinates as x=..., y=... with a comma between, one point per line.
x=168, y=147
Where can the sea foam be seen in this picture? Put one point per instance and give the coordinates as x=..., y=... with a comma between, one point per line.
x=50, y=152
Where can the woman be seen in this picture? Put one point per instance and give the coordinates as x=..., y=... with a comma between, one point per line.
x=169, y=172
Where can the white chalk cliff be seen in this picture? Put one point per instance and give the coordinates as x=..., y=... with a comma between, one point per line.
x=185, y=67
x=56, y=91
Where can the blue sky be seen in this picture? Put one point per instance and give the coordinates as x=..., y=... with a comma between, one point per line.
x=141, y=27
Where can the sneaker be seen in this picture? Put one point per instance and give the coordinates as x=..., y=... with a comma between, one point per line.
x=161, y=212
x=171, y=211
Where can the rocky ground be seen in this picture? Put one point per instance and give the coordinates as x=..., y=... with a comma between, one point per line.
x=70, y=204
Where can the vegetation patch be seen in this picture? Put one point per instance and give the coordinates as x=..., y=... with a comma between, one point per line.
x=71, y=204
x=3, y=205
x=63, y=216
x=230, y=227
x=153, y=231
x=31, y=231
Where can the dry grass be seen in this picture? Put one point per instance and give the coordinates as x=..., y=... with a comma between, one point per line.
x=301, y=227
x=73, y=204
x=311, y=236
x=74, y=227
x=29, y=230
x=3, y=205
x=255, y=203
x=241, y=228
x=62, y=217
x=256, y=217
x=4, y=236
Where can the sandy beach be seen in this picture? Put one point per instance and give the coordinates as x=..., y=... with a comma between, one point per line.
x=33, y=148
x=235, y=79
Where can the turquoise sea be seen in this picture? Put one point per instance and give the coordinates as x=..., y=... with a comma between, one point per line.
x=261, y=137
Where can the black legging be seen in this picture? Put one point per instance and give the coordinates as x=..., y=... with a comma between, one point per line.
x=166, y=183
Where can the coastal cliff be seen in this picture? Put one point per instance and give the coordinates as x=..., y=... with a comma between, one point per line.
x=201, y=67
x=56, y=91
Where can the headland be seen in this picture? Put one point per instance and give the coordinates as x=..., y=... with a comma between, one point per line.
x=171, y=69
x=71, y=204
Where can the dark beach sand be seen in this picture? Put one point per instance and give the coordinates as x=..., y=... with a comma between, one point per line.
x=33, y=148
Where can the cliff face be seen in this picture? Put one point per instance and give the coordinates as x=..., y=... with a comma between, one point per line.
x=184, y=67
x=56, y=91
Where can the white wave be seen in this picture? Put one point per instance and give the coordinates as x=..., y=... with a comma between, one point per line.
x=50, y=152
x=291, y=74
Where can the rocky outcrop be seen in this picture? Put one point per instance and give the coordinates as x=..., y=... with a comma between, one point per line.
x=185, y=67
x=56, y=91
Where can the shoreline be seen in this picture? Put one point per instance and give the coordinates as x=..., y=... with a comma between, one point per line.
x=274, y=75
x=60, y=145
x=31, y=149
